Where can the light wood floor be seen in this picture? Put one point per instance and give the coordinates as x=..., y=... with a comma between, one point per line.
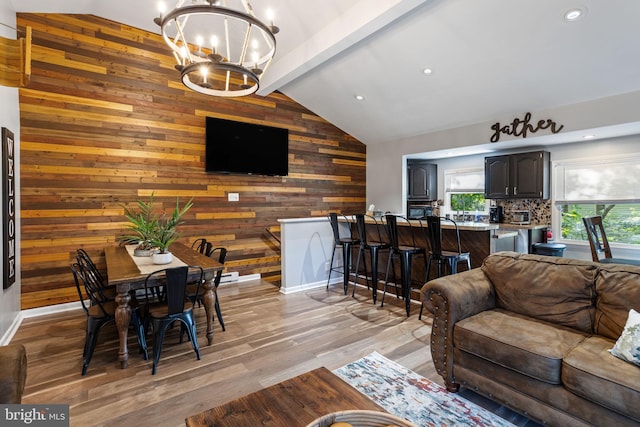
x=270, y=337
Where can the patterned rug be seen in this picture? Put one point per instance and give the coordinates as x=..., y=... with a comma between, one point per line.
x=408, y=395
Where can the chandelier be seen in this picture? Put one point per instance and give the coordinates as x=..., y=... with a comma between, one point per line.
x=219, y=50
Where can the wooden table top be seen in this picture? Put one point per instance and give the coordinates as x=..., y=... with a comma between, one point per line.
x=294, y=402
x=121, y=269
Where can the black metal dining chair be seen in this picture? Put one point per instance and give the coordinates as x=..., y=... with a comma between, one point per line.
x=87, y=264
x=405, y=254
x=197, y=297
x=450, y=257
x=176, y=307
x=374, y=247
x=201, y=245
x=344, y=242
x=100, y=311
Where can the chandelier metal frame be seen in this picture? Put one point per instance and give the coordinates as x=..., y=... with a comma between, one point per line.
x=230, y=72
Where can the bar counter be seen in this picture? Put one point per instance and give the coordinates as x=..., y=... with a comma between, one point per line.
x=479, y=239
x=307, y=245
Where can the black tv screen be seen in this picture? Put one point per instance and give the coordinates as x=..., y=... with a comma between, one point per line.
x=245, y=148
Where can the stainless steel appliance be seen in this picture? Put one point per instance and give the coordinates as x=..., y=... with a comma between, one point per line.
x=418, y=210
x=520, y=217
x=496, y=215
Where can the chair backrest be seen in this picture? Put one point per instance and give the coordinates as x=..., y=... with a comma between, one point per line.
x=392, y=230
x=335, y=226
x=175, y=282
x=391, y=222
x=362, y=229
x=201, y=245
x=333, y=221
x=88, y=289
x=434, y=224
x=222, y=256
x=597, y=237
x=83, y=258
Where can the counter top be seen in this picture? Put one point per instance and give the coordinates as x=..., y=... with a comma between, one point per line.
x=505, y=226
x=467, y=226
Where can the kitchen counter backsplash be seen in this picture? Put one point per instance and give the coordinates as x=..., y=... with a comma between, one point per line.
x=539, y=210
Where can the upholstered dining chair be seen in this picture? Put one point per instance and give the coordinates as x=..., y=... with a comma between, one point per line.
x=100, y=311
x=599, y=243
x=176, y=307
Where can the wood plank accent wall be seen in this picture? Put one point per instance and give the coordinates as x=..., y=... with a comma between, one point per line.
x=105, y=120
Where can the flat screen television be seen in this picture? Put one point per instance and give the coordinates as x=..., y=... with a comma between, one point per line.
x=245, y=148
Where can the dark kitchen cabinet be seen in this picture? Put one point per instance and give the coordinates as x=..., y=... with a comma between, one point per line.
x=517, y=176
x=423, y=180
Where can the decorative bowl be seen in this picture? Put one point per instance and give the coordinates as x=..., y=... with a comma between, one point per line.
x=361, y=418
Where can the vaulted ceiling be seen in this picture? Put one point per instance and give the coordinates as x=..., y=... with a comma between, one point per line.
x=490, y=59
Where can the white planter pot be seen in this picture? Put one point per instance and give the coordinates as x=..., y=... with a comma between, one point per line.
x=142, y=252
x=159, y=258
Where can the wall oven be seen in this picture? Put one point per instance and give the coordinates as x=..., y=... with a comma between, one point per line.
x=418, y=210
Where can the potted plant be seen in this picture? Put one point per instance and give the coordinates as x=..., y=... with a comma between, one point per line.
x=164, y=232
x=142, y=224
x=153, y=232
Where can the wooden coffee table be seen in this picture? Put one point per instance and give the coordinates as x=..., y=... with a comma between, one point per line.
x=294, y=402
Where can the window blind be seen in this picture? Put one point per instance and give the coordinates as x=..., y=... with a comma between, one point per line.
x=464, y=181
x=609, y=180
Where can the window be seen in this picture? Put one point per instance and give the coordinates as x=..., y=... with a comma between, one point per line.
x=621, y=221
x=464, y=191
x=609, y=187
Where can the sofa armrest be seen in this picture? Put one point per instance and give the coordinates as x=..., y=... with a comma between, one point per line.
x=13, y=373
x=451, y=299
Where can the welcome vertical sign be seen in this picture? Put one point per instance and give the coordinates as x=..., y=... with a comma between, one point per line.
x=8, y=208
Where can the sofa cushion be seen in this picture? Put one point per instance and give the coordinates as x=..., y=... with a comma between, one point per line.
x=528, y=346
x=556, y=290
x=590, y=371
x=618, y=291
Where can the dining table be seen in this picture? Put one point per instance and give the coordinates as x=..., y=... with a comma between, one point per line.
x=127, y=273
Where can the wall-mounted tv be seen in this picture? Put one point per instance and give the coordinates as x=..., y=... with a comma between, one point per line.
x=245, y=148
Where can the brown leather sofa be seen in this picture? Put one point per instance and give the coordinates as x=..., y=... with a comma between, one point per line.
x=532, y=332
x=13, y=373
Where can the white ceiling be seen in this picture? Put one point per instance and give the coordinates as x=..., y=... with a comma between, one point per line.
x=491, y=59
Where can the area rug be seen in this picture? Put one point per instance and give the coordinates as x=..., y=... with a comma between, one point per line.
x=408, y=395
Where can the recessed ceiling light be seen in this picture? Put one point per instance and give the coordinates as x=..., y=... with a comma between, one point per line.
x=359, y=97
x=588, y=137
x=572, y=15
x=427, y=71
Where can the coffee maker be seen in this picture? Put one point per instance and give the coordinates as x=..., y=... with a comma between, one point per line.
x=496, y=214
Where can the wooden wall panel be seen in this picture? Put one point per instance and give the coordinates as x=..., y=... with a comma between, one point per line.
x=105, y=120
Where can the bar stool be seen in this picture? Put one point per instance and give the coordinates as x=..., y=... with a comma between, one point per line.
x=374, y=248
x=405, y=254
x=449, y=258
x=344, y=242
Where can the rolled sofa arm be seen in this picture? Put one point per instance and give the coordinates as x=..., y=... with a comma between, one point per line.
x=13, y=373
x=451, y=299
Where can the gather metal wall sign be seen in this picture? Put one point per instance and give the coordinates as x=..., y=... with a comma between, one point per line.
x=523, y=127
x=8, y=209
